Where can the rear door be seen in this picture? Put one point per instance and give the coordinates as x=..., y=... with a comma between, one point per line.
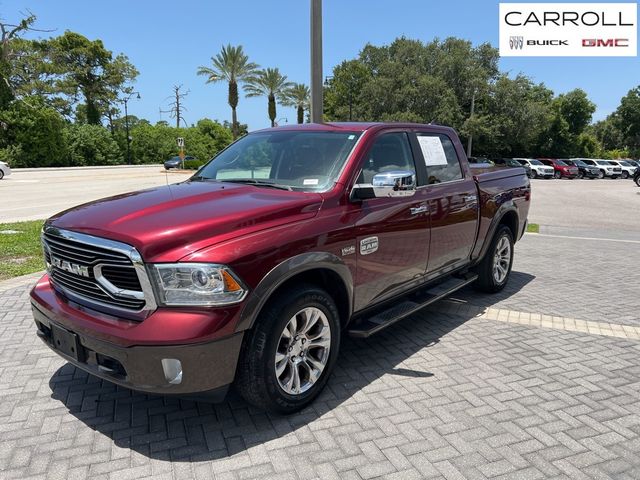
x=392, y=243
x=452, y=198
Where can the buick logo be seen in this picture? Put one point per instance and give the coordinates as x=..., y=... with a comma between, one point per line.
x=516, y=43
x=74, y=268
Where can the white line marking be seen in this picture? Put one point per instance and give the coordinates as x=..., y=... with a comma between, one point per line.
x=582, y=238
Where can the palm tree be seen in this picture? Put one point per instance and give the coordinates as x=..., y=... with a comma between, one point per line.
x=297, y=96
x=268, y=83
x=231, y=65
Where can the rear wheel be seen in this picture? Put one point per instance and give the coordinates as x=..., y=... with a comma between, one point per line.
x=495, y=268
x=289, y=354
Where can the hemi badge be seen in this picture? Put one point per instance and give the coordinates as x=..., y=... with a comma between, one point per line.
x=348, y=250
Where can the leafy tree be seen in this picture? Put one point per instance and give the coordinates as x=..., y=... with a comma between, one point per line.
x=627, y=120
x=87, y=68
x=37, y=131
x=576, y=109
x=92, y=145
x=587, y=146
x=233, y=66
x=297, y=96
x=268, y=83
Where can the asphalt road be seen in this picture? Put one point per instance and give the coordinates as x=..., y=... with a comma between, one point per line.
x=34, y=195
x=587, y=208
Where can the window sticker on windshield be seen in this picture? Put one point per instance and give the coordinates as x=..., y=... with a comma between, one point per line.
x=310, y=181
x=432, y=150
x=351, y=137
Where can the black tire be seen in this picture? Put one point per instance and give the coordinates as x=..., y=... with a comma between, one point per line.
x=1, y=174
x=625, y=175
x=601, y=174
x=534, y=174
x=637, y=180
x=580, y=175
x=256, y=377
x=486, y=281
x=557, y=175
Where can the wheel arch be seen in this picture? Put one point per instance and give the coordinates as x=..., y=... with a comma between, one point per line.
x=507, y=215
x=322, y=269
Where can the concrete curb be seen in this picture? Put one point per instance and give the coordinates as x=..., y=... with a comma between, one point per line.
x=30, y=278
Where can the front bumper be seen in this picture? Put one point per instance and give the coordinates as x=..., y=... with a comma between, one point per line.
x=205, y=368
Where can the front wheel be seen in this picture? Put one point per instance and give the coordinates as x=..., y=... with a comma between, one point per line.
x=534, y=174
x=289, y=354
x=625, y=175
x=601, y=174
x=580, y=175
x=637, y=180
x=557, y=175
x=1, y=174
x=494, y=269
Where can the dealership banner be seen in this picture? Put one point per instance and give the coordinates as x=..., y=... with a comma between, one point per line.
x=568, y=29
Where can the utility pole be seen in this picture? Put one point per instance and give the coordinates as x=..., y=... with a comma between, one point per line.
x=316, y=61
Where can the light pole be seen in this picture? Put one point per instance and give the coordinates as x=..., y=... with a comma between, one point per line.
x=316, y=61
x=126, y=122
x=286, y=120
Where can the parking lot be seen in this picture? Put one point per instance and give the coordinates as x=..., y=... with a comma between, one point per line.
x=539, y=381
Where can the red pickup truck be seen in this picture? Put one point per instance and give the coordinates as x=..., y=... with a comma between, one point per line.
x=251, y=271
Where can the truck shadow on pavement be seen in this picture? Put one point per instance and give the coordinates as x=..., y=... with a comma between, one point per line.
x=174, y=429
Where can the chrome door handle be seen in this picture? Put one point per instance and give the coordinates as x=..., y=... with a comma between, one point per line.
x=417, y=210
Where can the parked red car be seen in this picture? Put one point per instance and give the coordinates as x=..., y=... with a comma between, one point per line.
x=560, y=168
x=252, y=270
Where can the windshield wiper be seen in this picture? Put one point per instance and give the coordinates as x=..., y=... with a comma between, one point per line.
x=258, y=183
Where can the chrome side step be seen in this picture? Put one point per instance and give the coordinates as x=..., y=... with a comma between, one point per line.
x=421, y=299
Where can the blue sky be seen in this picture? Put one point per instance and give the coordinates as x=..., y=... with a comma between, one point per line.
x=167, y=41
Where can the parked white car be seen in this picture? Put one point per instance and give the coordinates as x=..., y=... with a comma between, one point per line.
x=628, y=168
x=607, y=169
x=4, y=170
x=538, y=169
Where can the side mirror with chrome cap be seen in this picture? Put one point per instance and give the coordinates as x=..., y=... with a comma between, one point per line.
x=395, y=183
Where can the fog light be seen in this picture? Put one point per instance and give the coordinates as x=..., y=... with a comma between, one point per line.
x=172, y=370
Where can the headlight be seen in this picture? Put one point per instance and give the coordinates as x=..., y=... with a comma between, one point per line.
x=196, y=284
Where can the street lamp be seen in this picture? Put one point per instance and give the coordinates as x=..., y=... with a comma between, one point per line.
x=126, y=122
x=286, y=120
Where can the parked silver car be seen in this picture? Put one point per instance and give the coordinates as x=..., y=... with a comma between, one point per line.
x=606, y=169
x=4, y=170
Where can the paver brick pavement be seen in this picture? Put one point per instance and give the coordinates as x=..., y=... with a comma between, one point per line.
x=440, y=395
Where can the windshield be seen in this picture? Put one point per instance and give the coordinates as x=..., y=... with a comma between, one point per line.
x=602, y=162
x=626, y=164
x=561, y=163
x=579, y=163
x=536, y=162
x=294, y=160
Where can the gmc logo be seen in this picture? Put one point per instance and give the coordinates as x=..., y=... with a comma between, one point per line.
x=601, y=42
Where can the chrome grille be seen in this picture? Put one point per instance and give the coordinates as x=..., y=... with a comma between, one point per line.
x=96, y=272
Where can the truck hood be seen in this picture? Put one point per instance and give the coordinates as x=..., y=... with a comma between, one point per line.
x=166, y=223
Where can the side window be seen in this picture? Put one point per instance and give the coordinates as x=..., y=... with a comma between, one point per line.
x=440, y=158
x=390, y=151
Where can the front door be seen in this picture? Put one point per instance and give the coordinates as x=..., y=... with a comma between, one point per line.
x=392, y=244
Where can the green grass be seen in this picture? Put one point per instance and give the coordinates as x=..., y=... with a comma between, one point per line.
x=533, y=228
x=20, y=253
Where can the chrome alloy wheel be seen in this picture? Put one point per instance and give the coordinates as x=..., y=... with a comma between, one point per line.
x=303, y=351
x=501, y=260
